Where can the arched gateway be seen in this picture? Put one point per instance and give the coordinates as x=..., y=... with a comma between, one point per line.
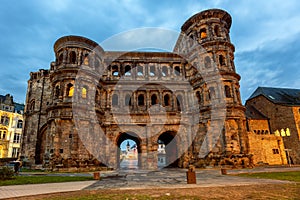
x=180, y=108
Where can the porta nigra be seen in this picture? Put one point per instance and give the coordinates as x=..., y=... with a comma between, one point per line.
x=80, y=110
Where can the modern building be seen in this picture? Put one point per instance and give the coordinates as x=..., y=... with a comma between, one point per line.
x=281, y=106
x=11, y=122
x=80, y=110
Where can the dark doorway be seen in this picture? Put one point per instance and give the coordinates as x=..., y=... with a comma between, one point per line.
x=167, y=150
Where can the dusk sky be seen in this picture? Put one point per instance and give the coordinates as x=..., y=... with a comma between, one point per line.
x=265, y=33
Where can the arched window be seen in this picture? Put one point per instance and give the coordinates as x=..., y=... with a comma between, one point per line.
x=115, y=71
x=84, y=92
x=141, y=100
x=72, y=57
x=217, y=31
x=177, y=71
x=207, y=62
x=140, y=71
x=227, y=91
x=198, y=95
x=154, y=99
x=60, y=58
x=167, y=100
x=212, y=93
x=222, y=60
x=115, y=100
x=203, y=33
x=32, y=105
x=127, y=70
x=86, y=59
x=97, y=97
x=70, y=90
x=152, y=70
x=127, y=100
x=179, y=102
x=57, y=91
x=164, y=71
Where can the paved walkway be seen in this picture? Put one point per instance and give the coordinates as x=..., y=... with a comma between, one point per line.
x=139, y=179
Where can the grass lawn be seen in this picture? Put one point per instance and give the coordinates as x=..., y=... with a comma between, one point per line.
x=289, y=176
x=21, y=180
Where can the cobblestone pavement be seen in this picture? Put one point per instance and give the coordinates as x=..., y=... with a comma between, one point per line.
x=135, y=179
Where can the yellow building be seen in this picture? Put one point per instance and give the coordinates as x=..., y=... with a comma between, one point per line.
x=11, y=122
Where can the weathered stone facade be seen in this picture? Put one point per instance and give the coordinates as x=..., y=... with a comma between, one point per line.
x=80, y=110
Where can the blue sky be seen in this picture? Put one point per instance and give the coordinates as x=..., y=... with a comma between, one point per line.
x=265, y=33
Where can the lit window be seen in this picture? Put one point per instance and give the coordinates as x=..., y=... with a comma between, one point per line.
x=84, y=92
x=203, y=33
x=70, y=90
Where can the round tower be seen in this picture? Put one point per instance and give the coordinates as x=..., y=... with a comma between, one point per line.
x=205, y=42
x=74, y=78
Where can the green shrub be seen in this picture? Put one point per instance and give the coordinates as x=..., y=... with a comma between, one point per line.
x=6, y=173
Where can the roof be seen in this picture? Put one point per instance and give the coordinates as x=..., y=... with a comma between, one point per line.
x=19, y=107
x=253, y=113
x=284, y=96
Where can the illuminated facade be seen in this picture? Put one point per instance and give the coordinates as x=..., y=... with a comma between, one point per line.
x=281, y=106
x=11, y=122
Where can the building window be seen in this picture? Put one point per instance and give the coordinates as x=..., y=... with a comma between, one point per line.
x=211, y=93
x=127, y=70
x=152, y=70
x=207, y=62
x=141, y=100
x=167, y=100
x=60, y=58
x=198, y=95
x=115, y=100
x=73, y=57
x=20, y=124
x=57, y=91
x=127, y=100
x=164, y=71
x=17, y=138
x=115, y=71
x=154, y=99
x=61, y=150
x=15, y=152
x=203, y=33
x=140, y=71
x=70, y=90
x=179, y=102
x=227, y=91
x=217, y=31
x=222, y=60
x=177, y=71
x=84, y=92
x=32, y=105
x=275, y=151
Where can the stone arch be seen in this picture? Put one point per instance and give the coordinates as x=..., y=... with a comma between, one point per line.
x=171, y=141
x=40, y=147
x=128, y=136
